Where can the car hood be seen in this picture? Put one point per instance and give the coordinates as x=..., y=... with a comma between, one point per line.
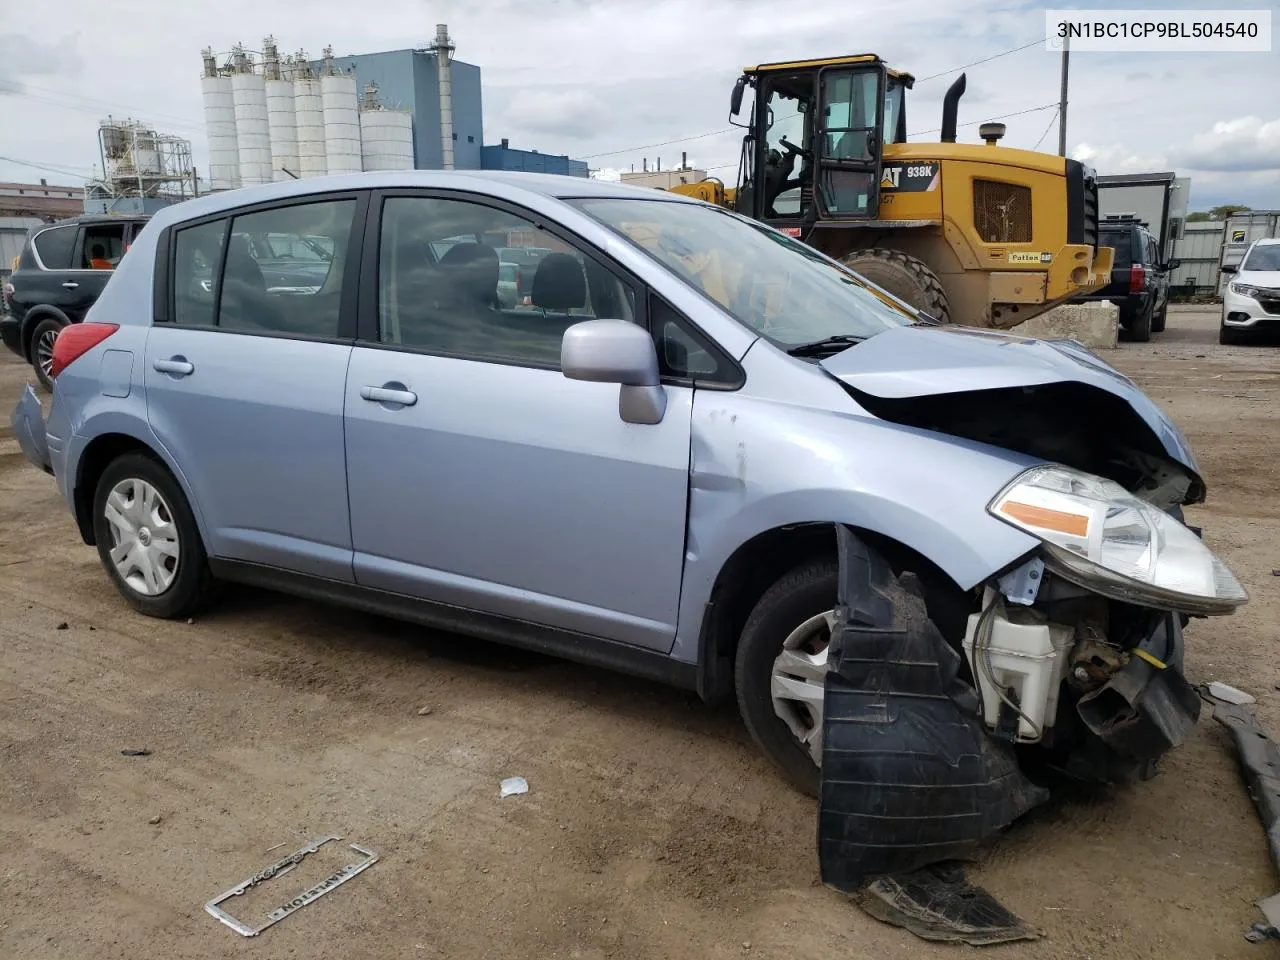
x=1052, y=398
x=1259, y=278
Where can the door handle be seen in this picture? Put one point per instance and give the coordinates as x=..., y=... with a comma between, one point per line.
x=175, y=365
x=389, y=395
x=71, y=284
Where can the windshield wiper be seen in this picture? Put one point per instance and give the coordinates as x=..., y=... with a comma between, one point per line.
x=825, y=346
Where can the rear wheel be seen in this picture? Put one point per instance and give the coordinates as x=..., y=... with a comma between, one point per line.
x=781, y=667
x=148, y=540
x=1157, y=322
x=1140, y=326
x=43, y=338
x=906, y=277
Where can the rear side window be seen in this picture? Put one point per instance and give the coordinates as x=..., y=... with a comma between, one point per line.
x=56, y=246
x=102, y=248
x=278, y=271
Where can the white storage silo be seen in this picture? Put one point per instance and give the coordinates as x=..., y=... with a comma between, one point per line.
x=282, y=123
x=253, y=130
x=308, y=103
x=220, y=127
x=386, y=139
x=341, y=123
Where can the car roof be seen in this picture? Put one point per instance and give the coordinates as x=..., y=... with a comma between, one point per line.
x=97, y=218
x=513, y=185
x=1266, y=241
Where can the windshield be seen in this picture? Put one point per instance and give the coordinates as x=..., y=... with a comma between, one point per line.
x=779, y=287
x=1265, y=256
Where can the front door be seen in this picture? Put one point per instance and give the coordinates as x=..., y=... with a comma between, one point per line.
x=851, y=141
x=479, y=475
x=245, y=382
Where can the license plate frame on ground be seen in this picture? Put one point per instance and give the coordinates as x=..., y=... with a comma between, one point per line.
x=278, y=869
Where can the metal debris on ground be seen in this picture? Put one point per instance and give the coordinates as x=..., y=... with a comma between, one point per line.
x=938, y=903
x=513, y=785
x=1228, y=693
x=279, y=869
x=1259, y=758
x=63, y=626
x=135, y=752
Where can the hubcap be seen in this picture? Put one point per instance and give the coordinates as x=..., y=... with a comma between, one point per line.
x=44, y=351
x=144, y=538
x=797, y=686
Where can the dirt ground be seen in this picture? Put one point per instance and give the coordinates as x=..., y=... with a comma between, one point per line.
x=652, y=828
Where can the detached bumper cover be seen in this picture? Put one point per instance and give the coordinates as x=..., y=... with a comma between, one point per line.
x=27, y=421
x=909, y=776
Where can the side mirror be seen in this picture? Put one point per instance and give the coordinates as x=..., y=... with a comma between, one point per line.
x=1173, y=265
x=1228, y=268
x=735, y=98
x=616, y=351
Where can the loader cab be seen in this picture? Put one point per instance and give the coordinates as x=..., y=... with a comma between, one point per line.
x=815, y=137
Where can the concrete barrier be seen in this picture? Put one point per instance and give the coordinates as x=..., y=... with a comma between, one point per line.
x=1096, y=325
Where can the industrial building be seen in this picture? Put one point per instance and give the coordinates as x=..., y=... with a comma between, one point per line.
x=270, y=117
x=1157, y=199
x=142, y=170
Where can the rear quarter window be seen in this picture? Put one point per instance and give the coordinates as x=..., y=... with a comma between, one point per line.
x=56, y=246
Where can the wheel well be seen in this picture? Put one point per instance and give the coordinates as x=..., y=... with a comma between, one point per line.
x=764, y=559
x=32, y=320
x=95, y=459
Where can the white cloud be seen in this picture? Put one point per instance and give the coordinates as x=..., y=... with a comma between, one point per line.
x=574, y=113
x=1116, y=158
x=1245, y=143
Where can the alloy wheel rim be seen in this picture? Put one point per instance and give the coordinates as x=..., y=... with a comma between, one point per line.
x=44, y=351
x=145, y=547
x=798, y=683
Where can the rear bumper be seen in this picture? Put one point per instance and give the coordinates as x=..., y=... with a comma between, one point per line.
x=11, y=333
x=28, y=425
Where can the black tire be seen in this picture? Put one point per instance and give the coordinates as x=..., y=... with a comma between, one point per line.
x=1140, y=329
x=906, y=277
x=1228, y=336
x=804, y=592
x=192, y=583
x=42, y=338
x=1157, y=322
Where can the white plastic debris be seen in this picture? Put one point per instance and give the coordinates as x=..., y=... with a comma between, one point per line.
x=1229, y=694
x=513, y=785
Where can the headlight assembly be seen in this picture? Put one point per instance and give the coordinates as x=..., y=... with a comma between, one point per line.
x=1100, y=536
x=1244, y=290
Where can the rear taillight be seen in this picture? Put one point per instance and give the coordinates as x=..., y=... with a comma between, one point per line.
x=1137, y=278
x=75, y=340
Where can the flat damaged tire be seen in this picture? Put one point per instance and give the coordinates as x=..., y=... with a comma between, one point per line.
x=780, y=670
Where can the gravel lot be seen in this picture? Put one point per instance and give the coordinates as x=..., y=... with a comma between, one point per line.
x=652, y=828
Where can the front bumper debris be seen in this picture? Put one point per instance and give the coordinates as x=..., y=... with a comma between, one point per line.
x=27, y=421
x=1260, y=762
x=910, y=778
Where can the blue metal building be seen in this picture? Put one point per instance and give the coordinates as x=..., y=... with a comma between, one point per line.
x=503, y=157
x=410, y=79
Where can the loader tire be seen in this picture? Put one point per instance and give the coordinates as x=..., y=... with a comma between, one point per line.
x=903, y=276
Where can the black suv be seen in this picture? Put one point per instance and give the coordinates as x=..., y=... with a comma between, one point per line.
x=61, y=271
x=1139, y=280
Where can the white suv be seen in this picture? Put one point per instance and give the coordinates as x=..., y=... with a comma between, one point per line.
x=1251, y=301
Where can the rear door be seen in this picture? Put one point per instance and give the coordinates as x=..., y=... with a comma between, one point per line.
x=245, y=382
x=99, y=247
x=47, y=277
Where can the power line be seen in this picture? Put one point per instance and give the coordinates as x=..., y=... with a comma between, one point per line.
x=74, y=101
x=650, y=146
x=1003, y=116
x=1046, y=131
x=994, y=56
x=45, y=167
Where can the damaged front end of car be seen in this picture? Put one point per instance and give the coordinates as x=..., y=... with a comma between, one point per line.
x=1070, y=663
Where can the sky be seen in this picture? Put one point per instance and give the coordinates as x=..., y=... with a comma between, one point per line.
x=617, y=81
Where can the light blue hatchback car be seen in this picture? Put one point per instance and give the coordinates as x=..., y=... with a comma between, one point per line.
x=314, y=386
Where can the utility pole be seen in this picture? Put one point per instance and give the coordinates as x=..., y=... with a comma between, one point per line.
x=1062, y=99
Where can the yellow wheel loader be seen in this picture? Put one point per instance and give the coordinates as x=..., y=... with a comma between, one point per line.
x=976, y=234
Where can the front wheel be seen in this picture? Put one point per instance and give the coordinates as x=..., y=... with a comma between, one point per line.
x=148, y=540
x=43, y=338
x=780, y=670
x=1157, y=322
x=904, y=276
